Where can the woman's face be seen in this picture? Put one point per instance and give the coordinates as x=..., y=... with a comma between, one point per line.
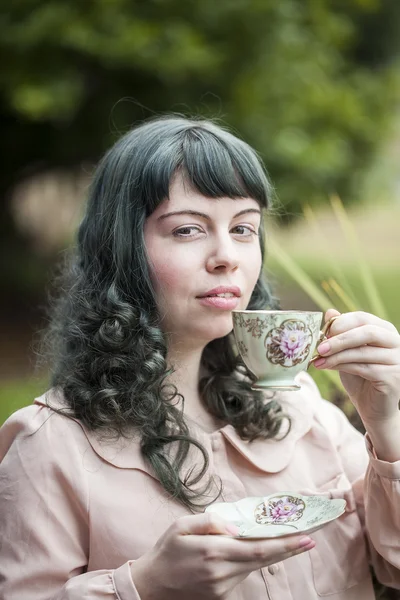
x=205, y=259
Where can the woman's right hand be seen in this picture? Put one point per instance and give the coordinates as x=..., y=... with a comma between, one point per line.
x=198, y=558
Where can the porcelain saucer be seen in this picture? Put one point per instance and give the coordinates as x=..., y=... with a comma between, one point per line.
x=279, y=515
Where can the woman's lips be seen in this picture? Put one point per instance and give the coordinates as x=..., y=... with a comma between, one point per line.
x=229, y=303
x=233, y=290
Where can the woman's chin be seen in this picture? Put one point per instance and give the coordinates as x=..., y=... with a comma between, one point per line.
x=215, y=333
x=202, y=332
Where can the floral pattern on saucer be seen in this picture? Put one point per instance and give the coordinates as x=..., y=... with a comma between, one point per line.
x=280, y=514
x=289, y=344
x=278, y=510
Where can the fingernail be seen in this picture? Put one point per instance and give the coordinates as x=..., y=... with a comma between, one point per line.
x=324, y=348
x=305, y=541
x=319, y=362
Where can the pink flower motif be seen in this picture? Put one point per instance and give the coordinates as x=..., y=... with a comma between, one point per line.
x=293, y=341
x=289, y=344
x=279, y=510
x=284, y=508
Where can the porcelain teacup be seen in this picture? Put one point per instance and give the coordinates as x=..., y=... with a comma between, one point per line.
x=276, y=345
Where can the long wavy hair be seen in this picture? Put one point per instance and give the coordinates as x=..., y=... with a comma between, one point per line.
x=107, y=352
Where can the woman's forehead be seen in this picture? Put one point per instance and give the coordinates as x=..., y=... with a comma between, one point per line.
x=182, y=196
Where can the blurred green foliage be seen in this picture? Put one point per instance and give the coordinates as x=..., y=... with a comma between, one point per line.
x=312, y=84
x=17, y=393
x=387, y=281
x=328, y=282
x=296, y=78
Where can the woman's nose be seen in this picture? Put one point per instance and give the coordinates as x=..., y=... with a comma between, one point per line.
x=223, y=257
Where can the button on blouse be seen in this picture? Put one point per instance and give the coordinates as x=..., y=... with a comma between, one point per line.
x=76, y=510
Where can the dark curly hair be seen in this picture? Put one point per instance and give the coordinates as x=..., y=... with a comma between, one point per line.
x=106, y=349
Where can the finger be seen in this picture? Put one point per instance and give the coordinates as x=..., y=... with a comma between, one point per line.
x=364, y=354
x=369, y=372
x=242, y=567
x=330, y=313
x=205, y=524
x=356, y=319
x=364, y=335
x=254, y=551
x=281, y=557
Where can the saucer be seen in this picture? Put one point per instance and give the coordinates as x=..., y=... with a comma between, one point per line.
x=279, y=515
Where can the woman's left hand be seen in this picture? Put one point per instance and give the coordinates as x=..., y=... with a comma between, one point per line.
x=366, y=352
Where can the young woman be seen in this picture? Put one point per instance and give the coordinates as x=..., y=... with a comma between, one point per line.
x=150, y=415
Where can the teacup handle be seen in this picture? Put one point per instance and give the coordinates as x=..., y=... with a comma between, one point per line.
x=323, y=335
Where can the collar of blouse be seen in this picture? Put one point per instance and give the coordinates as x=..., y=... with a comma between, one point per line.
x=269, y=456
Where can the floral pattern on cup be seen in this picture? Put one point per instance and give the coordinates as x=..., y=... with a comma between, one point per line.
x=242, y=348
x=254, y=326
x=289, y=344
x=279, y=510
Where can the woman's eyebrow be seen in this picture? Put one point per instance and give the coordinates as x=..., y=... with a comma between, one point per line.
x=204, y=215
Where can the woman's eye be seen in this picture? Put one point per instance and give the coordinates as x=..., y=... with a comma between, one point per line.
x=188, y=231
x=244, y=230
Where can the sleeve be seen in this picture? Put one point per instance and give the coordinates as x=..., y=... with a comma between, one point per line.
x=44, y=520
x=376, y=487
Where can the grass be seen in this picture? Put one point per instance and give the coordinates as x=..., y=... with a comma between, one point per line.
x=387, y=281
x=325, y=262
x=332, y=267
x=293, y=296
x=19, y=393
x=14, y=394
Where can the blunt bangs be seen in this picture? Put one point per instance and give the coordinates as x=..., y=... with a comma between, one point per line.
x=211, y=161
x=136, y=174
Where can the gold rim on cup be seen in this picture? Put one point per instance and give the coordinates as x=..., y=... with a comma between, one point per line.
x=324, y=336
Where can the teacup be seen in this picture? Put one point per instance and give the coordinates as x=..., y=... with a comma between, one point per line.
x=276, y=345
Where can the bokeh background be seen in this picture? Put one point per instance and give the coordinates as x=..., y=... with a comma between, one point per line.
x=313, y=85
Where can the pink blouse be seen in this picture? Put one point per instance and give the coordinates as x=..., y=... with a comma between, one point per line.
x=75, y=510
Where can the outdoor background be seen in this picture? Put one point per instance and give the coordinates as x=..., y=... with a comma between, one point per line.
x=313, y=85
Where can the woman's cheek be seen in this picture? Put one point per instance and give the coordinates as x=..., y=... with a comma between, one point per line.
x=171, y=274
x=255, y=264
